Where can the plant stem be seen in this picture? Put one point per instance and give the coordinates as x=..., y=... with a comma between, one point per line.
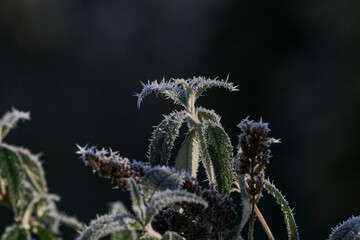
x=263, y=223
x=251, y=223
x=2, y=186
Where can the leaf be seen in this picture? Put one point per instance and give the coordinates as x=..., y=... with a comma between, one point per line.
x=188, y=155
x=16, y=232
x=200, y=84
x=166, y=198
x=9, y=121
x=106, y=225
x=163, y=138
x=288, y=215
x=44, y=234
x=30, y=207
x=160, y=179
x=206, y=114
x=137, y=200
x=347, y=230
x=12, y=172
x=54, y=218
x=32, y=166
x=206, y=160
x=171, y=89
x=172, y=236
x=124, y=235
x=220, y=151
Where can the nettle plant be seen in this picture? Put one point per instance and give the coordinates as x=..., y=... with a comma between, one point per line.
x=168, y=202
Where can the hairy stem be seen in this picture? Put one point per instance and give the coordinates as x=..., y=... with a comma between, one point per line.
x=152, y=232
x=2, y=186
x=263, y=223
x=251, y=223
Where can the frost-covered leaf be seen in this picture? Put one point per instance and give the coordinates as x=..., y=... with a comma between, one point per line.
x=160, y=179
x=288, y=215
x=124, y=235
x=163, y=138
x=172, y=236
x=206, y=159
x=137, y=200
x=106, y=225
x=16, y=232
x=32, y=167
x=30, y=207
x=219, y=148
x=206, y=114
x=53, y=217
x=146, y=236
x=188, y=155
x=199, y=84
x=166, y=198
x=118, y=207
x=44, y=234
x=245, y=200
x=9, y=121
x=347, y=230
x=171, y=89
x=11, y=170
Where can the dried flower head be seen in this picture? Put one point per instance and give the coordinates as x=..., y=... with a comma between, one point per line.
x=111, y=165
x=253, y=155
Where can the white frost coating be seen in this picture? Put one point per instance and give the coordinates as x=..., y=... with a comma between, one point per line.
x=347, y=230
x=10, y=119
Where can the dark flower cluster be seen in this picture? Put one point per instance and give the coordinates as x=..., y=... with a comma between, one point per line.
x=253, y=155
x=111, y=165
x=219, y=214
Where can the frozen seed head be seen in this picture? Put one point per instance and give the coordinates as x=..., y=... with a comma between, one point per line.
x=111, y=165
x=253, y=154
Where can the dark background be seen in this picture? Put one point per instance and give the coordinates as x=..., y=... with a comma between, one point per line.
x=76, y=65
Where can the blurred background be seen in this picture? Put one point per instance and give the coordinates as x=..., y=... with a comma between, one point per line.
x=76, y=64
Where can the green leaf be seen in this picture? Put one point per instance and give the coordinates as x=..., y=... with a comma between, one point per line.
x=347, y=230
x=188, y=155
x=160, y=179
x=16, y=232
x=124, y=235
x=220, y=151
x=172, y=236
x=163, y=138
x=288, y=215
x=11, y=170
x=137, y=200
x=167, y=198
x=33, y=169
x=44, y=234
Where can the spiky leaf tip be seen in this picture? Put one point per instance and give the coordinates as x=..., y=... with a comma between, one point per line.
x=11, y=170
x=288, y=214
x=220, y=150
x=347, y=230
x=10, y=119
x=170, y=89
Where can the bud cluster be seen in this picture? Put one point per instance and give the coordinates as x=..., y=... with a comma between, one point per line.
x=253, y=155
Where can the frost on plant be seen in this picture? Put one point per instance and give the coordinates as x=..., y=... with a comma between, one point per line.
x=167, y=202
